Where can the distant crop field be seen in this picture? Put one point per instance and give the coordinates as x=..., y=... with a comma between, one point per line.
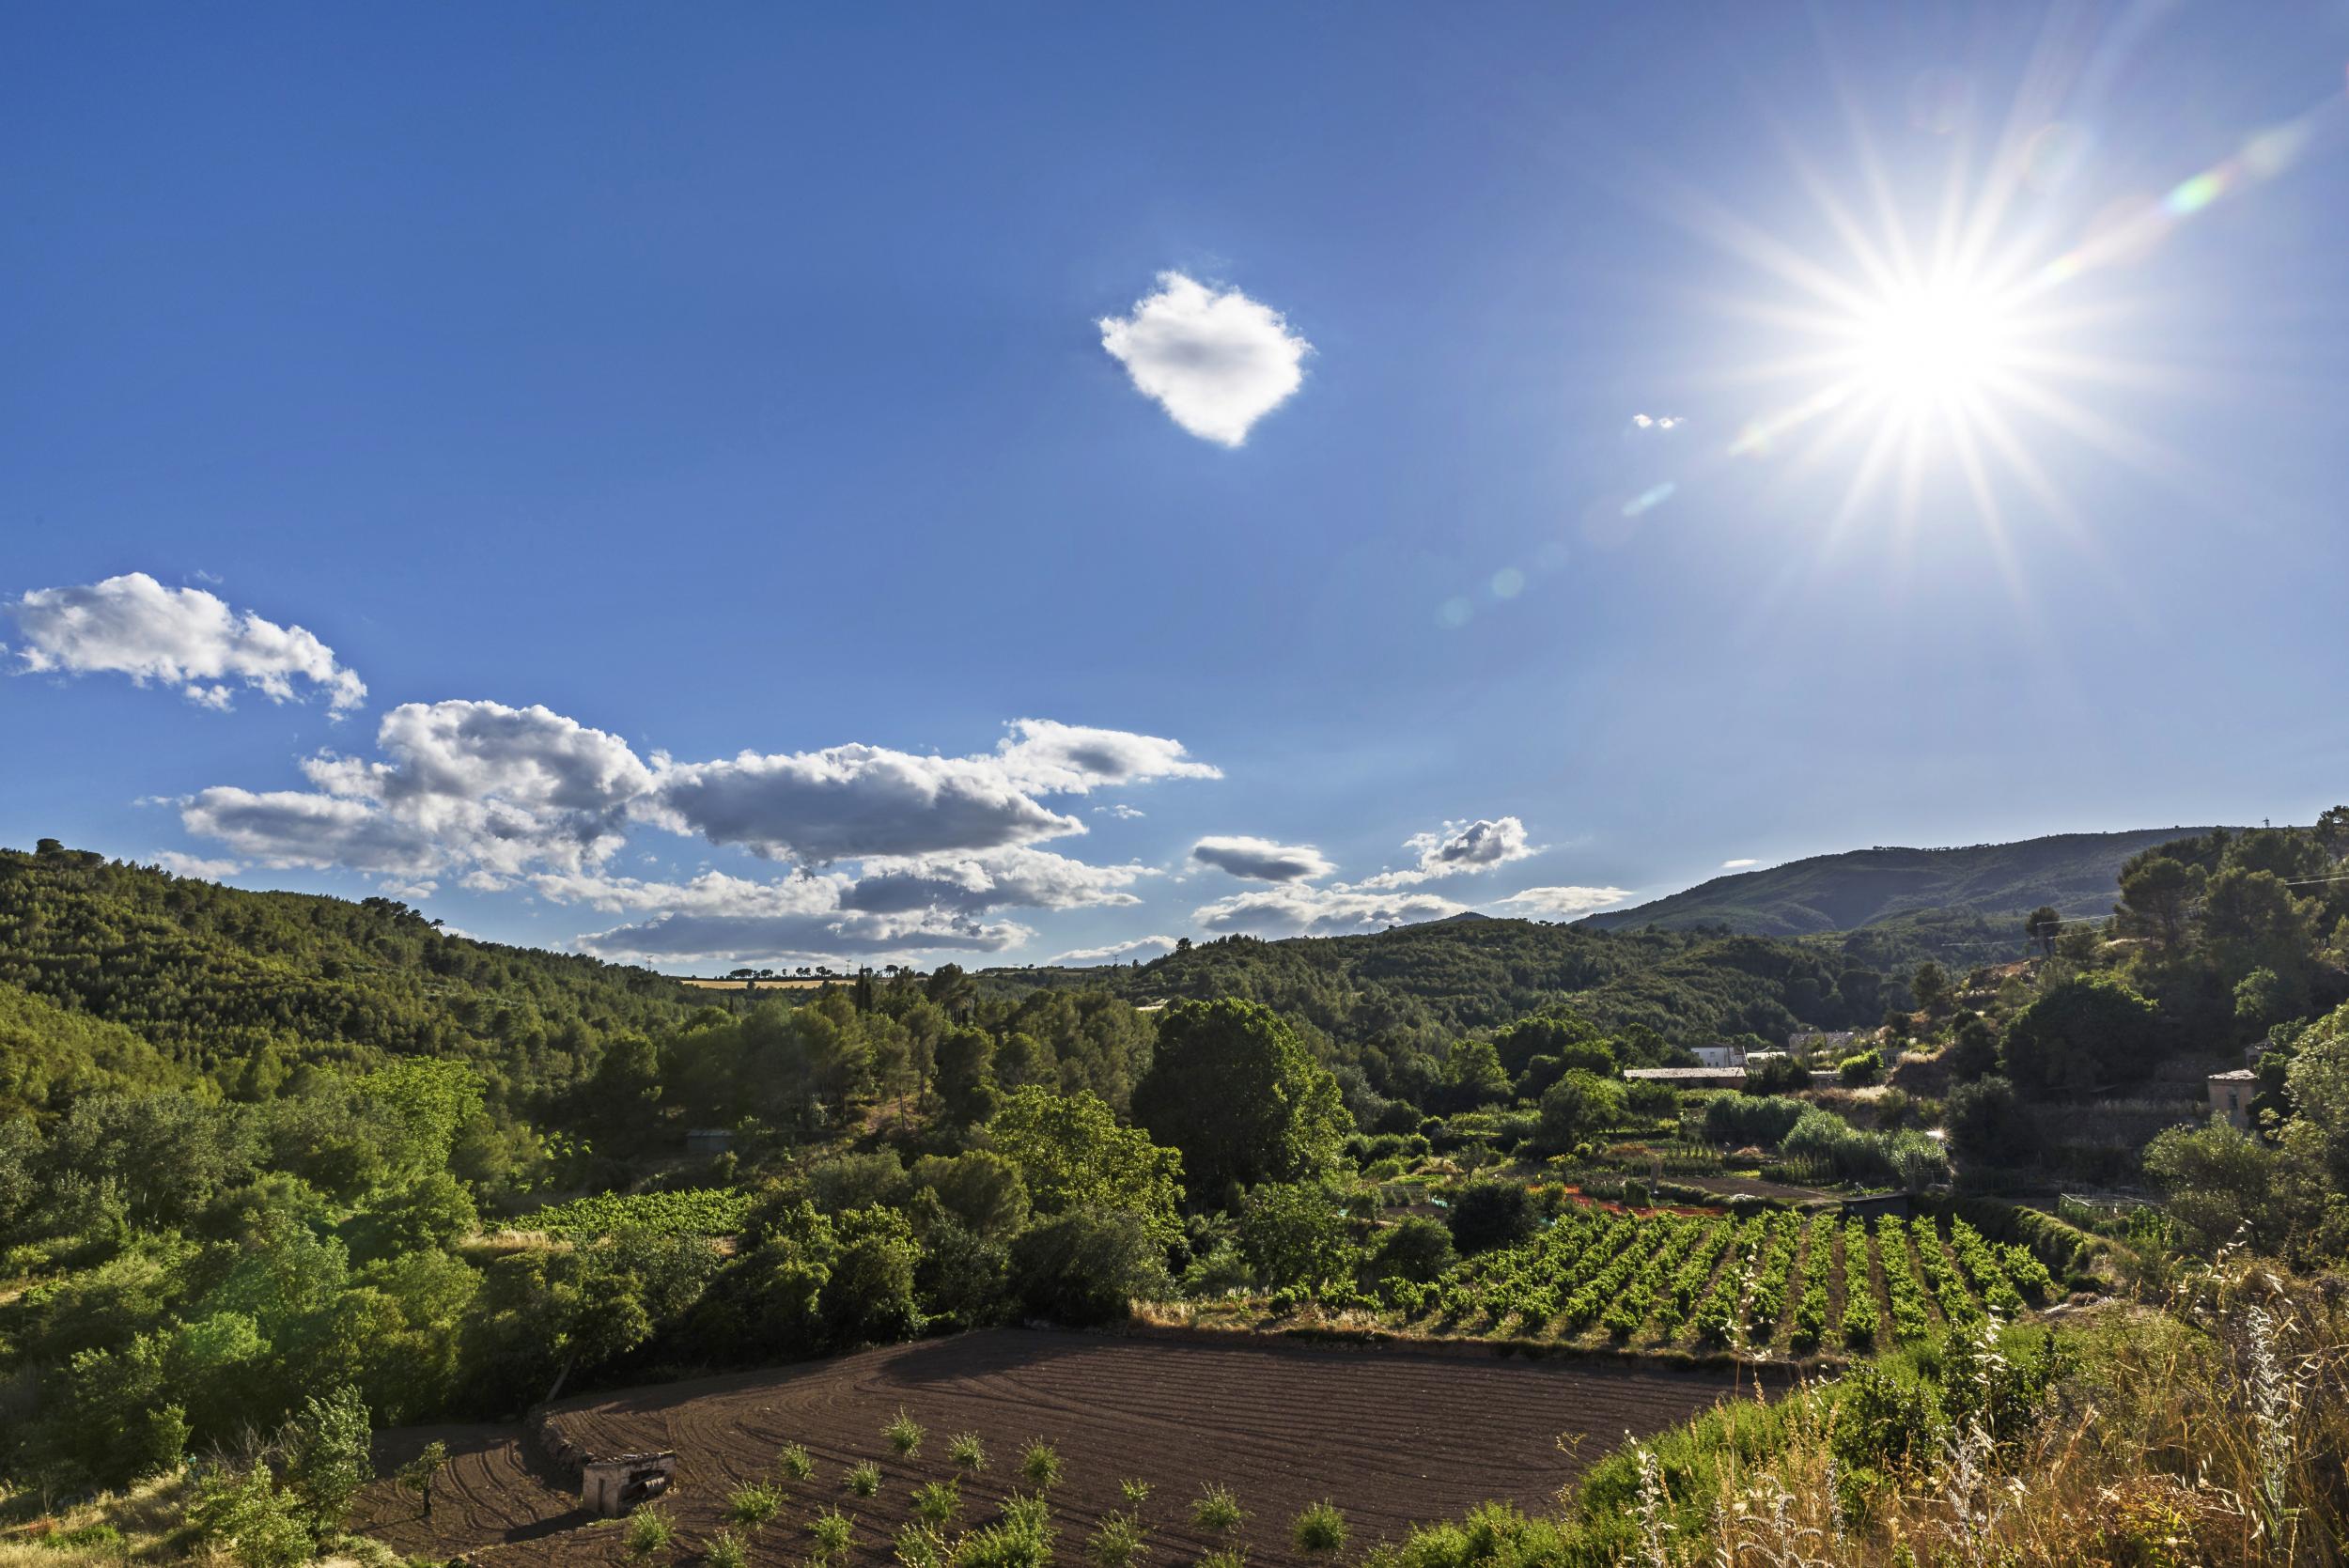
x=1390, y=1438
x=1712, y=1282
x=794, y=983
x=702, y=1212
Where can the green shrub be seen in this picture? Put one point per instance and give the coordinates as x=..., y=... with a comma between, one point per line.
x=1217, y=1508
x=832, y=1532
x=1861, y=1067
x=937, y=1502
x=864, y=1480
x=794, y=1461
x=649, y=1530
x=904, y=1434
x=1319, y=1528
x=1135, y=1490
x=920, y=1547
x=966, y=1451
x=754, y=1505
x=725, y=1551
x=1763, y=1119
x=1040, y=1463
x=1118, y=1543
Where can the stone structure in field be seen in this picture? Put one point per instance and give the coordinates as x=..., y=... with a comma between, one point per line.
x=610, y=1487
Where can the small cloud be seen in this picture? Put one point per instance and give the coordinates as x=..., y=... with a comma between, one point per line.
x=1558, y=902
x=133, y=625
x=1215, y=362
x=195, y=865
x=1739, y=866
x=1117, y=953
x=1121, y=811
x=1261, y=859
x=1459, y=847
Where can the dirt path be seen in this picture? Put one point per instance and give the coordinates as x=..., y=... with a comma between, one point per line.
x=1391, y=1436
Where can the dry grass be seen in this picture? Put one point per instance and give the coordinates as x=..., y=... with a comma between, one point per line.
x=2210, y=1434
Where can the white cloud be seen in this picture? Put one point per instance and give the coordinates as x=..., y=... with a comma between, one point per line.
x=1053, y=758
x=1261, y=859
x=1558, y=902
x=1459, y=847
x=720, y=917
x=1217, y=362
x=133, y=625
x=1738, y=865
x=997, y=879
x=476, y=786
x=195, y=865
x=1298, y=910
x=850, y=802
x=1115, y=953
x=1121, y=811
x=495, y=795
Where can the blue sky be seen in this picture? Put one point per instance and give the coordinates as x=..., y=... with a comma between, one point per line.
x=697, y=431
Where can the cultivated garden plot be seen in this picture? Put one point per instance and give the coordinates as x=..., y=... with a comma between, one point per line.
x=1771, y=1284
x=1387, y=1438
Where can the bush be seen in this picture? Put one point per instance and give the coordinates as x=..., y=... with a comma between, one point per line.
x=754, y=1505
x=832, y=1532
x=1861, y=1067
x=1751, y=1119
x=937, y=1502
x=864, y=1480
x=649, y=1530
x=1319, y=1528
x=967, y=1451
x=1117, y=1543
x=1489, y=1214
x=1217, y=1508
x=904, y=1434
x=1417, y=1249
x=1986, y=1122
x=725, y=1551
x=1087, y=1267
x=793, y=1460
x=1040, y=1463
x=1776, y=1076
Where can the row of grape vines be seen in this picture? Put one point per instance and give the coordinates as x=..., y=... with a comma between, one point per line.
x=1774, y=1280
x=704, y=1212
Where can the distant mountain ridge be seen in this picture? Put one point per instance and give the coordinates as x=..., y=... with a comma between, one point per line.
x=2074, y=872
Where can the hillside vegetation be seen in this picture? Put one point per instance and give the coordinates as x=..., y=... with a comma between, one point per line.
x=2073, y=872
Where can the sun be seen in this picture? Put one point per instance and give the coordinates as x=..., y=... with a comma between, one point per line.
x=1942, y=341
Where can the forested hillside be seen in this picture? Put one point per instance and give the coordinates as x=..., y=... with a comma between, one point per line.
x=2072, y=871
x=1421, y=986
x=245, y=988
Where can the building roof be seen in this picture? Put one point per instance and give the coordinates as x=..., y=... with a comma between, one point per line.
x=2240, y=1075
x=1669, y=1075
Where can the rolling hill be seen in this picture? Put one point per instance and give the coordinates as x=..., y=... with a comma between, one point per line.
x=2074, y=872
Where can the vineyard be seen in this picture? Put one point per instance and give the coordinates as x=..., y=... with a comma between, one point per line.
x=707, y=1212
x=1778, y=1282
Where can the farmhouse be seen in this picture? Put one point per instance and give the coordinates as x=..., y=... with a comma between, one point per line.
x=1718, y=1056
x=2230, y=1096
x=1689, y=1078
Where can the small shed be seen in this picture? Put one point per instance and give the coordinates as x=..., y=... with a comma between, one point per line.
x=709, y=1140
x=610, y=1487
x=2230, y=1096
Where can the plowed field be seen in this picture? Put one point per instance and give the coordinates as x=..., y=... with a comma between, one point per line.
x=1391, y=1436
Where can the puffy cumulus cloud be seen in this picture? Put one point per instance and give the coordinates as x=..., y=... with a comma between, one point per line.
x=133, y=625
x=847, y=802
x=195, y=865
x=1052, y=758
x=1739, y=866
x=1559, y=903
x=717, y=917
x=1459, y=847
x=1216, y=361
x=1115, y=953
x=1302, y=911
x=1001, y=878
x=493, y=790
x=1261, y=859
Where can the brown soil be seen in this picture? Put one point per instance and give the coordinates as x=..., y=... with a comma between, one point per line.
x=1392, y=1438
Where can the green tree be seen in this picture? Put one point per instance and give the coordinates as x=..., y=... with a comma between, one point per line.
x=1234, y=1089
x=1930, y=983
x=1574, y=1108
x=2042, y=927
x=1986, y=1121
x=2221, y=1183
x=326, y=1447
x=1088, y=1266
x=966, y=1076
x=1473, y=1075
x=418, y=1474
x=2081, y=1035
x=1293, y=1233
x=1073, y=1154
x=2156, y=891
